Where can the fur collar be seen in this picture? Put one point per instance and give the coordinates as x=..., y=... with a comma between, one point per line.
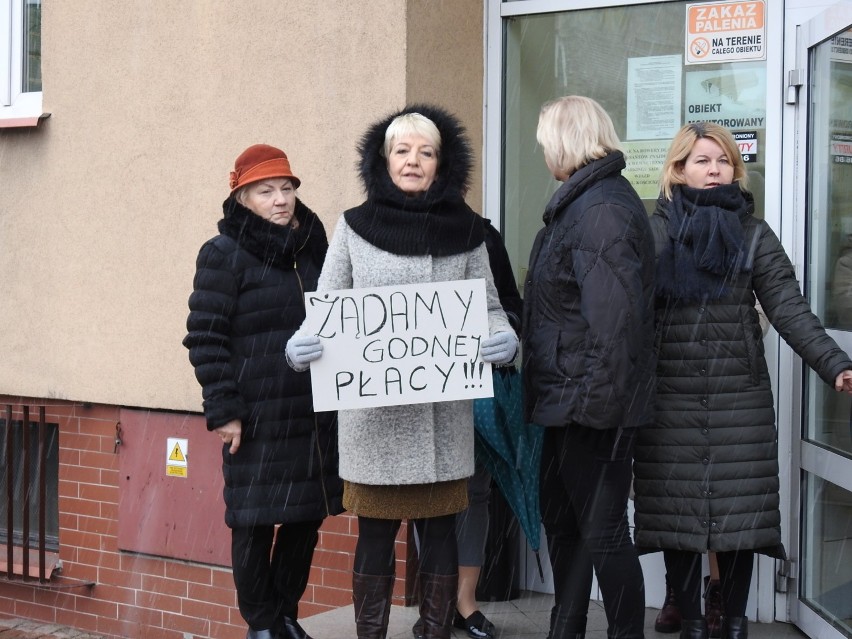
x=437, y=222
x=272, y=243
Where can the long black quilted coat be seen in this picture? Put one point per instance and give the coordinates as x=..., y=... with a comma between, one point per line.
x=588, y=325
x=706, y=472
x=247, y=302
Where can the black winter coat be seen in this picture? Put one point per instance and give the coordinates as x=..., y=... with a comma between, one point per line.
x=706, y=471
x=248, y=300
x=588, y=325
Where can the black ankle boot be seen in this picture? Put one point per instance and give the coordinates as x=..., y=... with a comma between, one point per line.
x=693, y=629
x=734, y=627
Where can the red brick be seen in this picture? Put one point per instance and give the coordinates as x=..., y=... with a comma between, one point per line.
x=109, y=511
x=335, y=579
x=79, y=507
x=222, y=578
x=164, y=603
x=98, y=460
x=203, y=610
x=68, y=458
x=78, y=538
x=221, y=596
x=97, y=525
x=77, y=620
x=39, y=612
x=191, y=625
x=68, y=488
x=81, y=572
x=99, y=558
x=340, y=524
x=334, y=597
x=222, y=631
x=143, y=565
x=114, y=594
x=188, y=572
x=336, y=560
x=142, y=616
x=164, y=586
x=82, y=441
x=341, y=543
x=99, y=493
x=100, y=607
x=120, y=578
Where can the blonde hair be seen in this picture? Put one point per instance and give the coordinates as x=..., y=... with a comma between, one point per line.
x=411, y=124
x=573, y=131
x=682, y=144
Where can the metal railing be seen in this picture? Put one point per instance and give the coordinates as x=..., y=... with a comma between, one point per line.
x=32, y=453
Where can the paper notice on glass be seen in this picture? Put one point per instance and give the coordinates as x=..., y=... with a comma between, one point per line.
x=653, y=97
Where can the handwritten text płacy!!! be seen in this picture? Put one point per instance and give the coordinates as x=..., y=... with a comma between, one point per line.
x=406, y=344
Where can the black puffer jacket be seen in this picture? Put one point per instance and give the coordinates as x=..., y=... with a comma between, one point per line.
x=248, y=300
x=588, y=326
x=706, y=472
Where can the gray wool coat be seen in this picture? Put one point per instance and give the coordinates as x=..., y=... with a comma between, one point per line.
x=413, y=443
x=706, y=470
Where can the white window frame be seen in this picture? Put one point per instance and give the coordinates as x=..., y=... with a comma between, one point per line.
x=16, y=107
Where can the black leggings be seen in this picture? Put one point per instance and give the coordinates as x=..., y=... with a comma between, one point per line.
x=374, y=552
x=585, y=481
x=684, y=573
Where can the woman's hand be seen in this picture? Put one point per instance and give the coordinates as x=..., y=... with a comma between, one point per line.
x=302, y=350
x=843, y=382
x=499, y=349
x=230, y=433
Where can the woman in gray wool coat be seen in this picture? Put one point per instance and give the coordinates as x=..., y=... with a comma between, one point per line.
x=706, y=470
x=409, y=461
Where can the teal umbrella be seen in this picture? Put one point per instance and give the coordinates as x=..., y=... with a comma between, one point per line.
x=510, y=449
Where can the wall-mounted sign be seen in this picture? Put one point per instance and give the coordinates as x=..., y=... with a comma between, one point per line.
x=733, y=96
x=176, y=460
x=725, y=31
x=747, y=143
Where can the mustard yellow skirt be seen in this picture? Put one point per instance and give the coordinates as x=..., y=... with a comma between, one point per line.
x=414, y=501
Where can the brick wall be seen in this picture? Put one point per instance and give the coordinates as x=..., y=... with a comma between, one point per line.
x=138, y=596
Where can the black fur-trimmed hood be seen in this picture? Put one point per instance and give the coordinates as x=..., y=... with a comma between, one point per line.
x=437, y=222
x=455, y=157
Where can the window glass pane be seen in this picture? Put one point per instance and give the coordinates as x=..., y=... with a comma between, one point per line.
x=827, y=537
x=32, y=46
x=631, y=60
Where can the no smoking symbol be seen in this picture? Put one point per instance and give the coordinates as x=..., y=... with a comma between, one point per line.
x=700, y=47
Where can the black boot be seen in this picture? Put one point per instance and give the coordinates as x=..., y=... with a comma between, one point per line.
x=669, y=619
x=372, y=596
x=437, y=604
x=563, y=627
x=693, y=629
x=734, y=627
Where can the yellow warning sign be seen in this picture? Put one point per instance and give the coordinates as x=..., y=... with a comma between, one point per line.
x=177, y=455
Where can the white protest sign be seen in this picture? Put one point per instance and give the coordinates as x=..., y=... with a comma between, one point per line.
x=406, y=344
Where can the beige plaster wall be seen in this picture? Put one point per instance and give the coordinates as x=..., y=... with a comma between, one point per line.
x=103, y=208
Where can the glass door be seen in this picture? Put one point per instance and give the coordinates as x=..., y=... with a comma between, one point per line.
x=823, y=607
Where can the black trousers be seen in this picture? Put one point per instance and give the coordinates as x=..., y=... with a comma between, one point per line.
x=683, y=569
x=271, y=571
x=585, y=482
x=374, y=552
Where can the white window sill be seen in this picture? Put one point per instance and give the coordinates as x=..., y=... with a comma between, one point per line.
x=25, y=111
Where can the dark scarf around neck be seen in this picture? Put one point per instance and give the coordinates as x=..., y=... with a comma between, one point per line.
x=272, y=243
x=448, y=228
x=706, y=246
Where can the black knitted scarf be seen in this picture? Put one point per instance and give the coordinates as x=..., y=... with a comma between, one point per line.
x=272, y=243
x=706, y=242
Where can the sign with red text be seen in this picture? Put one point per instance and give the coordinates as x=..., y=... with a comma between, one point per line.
x=392, y=345
x=725, y=31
